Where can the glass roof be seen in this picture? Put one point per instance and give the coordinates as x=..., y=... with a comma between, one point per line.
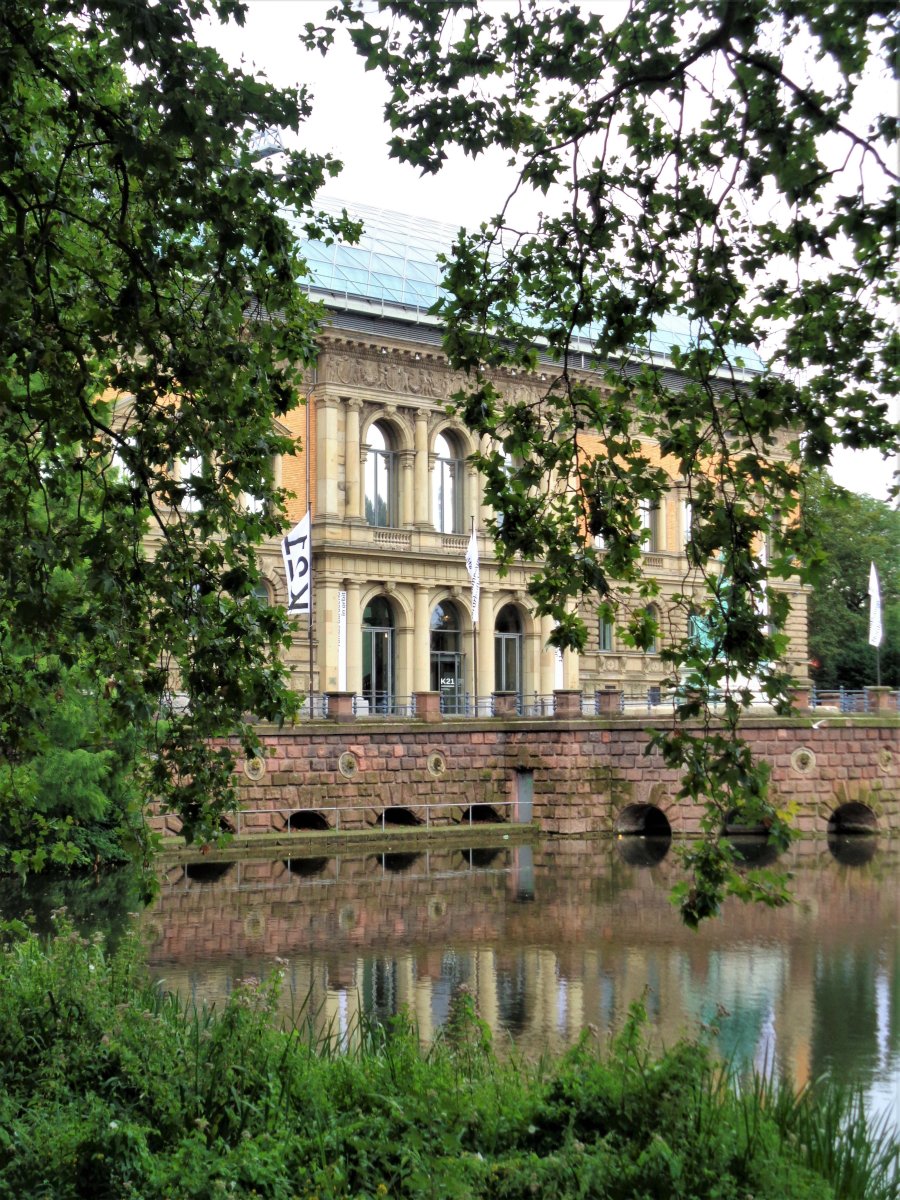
x=395, y=263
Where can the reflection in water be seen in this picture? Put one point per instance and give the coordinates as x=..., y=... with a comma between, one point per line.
x=482, y=856
x=207, y=872
x=754, y=849
x=853, y=849
x=635, y=850
x=552, y=936
x=306, y=868
x=398, y=861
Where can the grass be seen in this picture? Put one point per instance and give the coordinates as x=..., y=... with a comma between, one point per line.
x=109, y=1088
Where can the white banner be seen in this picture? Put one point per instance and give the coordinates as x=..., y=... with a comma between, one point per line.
x=342, y=641
x=876, y=629
x=296, y=550
x=474, y=573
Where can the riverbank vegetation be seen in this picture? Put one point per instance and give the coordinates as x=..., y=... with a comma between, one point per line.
x=111, y=1088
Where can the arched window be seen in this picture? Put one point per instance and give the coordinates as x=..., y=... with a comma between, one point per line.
x=653, y=612
x=381, y=478
x=189, y=472
x=446, y=656
x=508, y=650
x=446, y=487
x=378, y=655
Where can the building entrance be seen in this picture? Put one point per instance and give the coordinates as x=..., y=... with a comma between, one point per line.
x=378, y=656
x=447, y=660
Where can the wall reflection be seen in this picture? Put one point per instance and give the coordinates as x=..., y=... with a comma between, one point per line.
x=552, y=937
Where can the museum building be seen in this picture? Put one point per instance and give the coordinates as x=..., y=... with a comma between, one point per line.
x=384, y=471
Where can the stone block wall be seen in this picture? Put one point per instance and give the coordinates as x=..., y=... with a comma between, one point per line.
x=579, y=775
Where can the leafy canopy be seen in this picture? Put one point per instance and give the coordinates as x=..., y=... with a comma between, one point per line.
x=851, y=533
x=704, y=168
x=151, y=315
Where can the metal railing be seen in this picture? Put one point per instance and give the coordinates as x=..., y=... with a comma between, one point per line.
x=534, y=704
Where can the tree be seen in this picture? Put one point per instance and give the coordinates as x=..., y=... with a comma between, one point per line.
x=704, y=169
x=150, y=314
x=852, y=532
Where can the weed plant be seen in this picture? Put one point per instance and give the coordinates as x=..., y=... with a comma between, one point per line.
x=110, y=1088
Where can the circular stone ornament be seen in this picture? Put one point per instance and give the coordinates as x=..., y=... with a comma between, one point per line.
x=255, y=767
x=886, y=761
x=348, y=764
x=437, y=764
x=803, y=760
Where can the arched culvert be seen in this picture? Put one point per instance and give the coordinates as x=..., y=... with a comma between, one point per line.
x=400, y=816
x=852, y=818
x=207, y=872
x=753, y=849
x=638, y=851
x=645, y=820
x=308, y=819
x=853, y=850
x=397, y=862
x=481, y=814
x=306, y=868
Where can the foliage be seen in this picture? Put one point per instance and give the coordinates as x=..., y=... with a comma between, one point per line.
x=110, y=1088
x=152, y=330
x=851, y=532
x=718, y=246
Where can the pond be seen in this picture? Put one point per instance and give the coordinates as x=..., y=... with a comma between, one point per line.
x=550, y=936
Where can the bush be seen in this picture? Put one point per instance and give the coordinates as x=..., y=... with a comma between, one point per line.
x=110, y=1088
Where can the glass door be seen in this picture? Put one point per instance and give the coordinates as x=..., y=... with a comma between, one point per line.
x=378, y=656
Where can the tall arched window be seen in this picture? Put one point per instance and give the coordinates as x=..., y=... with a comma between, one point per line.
x=381, y=478
x=508, y=650
x=651, y=526
x=447, y=487
x=378, y=655
x=652, y=611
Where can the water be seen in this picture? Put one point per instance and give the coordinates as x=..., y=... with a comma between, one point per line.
x=550, y=937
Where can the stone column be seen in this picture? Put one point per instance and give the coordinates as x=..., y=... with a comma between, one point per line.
x=472, y=506
x=485, y=509
x=420, y=474
x=354, y=638
x=406, y=462
x=352, y=463
x=881, y=699
x=485, y=647
x=326, y=619
x=405, y=665
x=548, y=659
x=421, y=640
x=326, y=457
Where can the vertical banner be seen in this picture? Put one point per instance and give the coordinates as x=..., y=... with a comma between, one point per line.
x=342, y=641
x=558, y=669
x=472, y=566
x=296, y=549
x=876, y=629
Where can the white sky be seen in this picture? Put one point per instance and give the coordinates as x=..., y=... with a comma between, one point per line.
x=347, y=121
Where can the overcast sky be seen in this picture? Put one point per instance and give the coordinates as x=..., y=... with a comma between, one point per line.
x=348, y=105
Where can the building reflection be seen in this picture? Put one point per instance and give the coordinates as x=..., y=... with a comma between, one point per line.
x=548, y=939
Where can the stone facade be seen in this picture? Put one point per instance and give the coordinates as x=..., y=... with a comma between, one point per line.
x=393, y=390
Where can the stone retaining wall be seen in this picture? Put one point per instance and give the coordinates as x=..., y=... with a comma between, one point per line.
x=570, y=777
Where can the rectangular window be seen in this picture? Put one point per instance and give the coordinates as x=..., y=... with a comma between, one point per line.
x=606, y=636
